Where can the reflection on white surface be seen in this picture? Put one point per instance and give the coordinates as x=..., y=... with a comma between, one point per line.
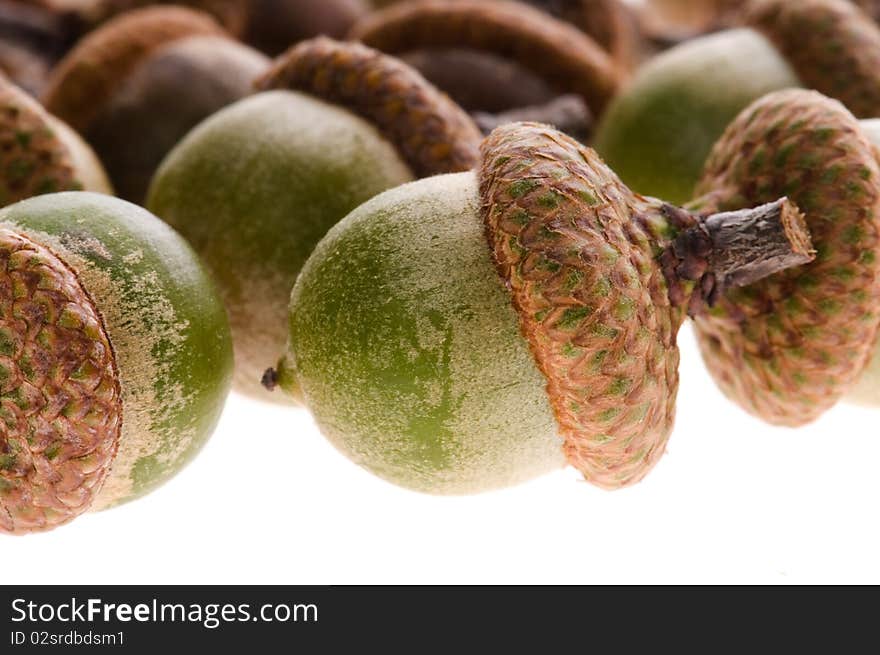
x=269, y=501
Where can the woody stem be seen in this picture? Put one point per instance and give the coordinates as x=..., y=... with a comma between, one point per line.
x=735, y=249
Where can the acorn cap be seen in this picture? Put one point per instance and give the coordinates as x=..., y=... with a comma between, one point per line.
x=788, y=347
x=33, y=158
x=591, y=301
x=555, y=51
x=432, y=133
x=88, y=75
x=833, y=46
x=60, y=399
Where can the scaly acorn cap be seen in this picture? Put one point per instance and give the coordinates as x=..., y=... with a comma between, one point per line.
x=432, y=133
x=33, y=159
x=555, y=51
x=833, y=46
x=602, y=279
x=787, y=348
x=60, y=398
x=86, y=78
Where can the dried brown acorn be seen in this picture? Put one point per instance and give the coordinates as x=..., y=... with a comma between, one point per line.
x=32, y=39
x=495, y=56
x=271, y=26
x=144, y=79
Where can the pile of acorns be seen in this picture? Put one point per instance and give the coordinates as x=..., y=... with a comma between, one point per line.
x=399, y=223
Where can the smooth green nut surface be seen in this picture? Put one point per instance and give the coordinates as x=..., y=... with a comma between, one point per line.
x=165, y=322
x=408, y=350
x=253, y=189
x=659, y=131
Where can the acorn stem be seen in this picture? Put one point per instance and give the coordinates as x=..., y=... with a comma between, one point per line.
x=270, y=379
x=734, y=249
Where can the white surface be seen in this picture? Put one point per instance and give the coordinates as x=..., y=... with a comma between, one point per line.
x=270, y=501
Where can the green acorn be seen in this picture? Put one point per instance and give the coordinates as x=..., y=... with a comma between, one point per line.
x=254, y=187
x=471, y=331
x=658, y=132
x=115, y=357
x=494, y=57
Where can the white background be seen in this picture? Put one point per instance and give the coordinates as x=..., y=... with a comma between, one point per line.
x=270, y=501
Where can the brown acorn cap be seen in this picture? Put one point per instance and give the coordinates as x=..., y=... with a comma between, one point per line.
x=60, y=399
x=432, y=133
x=88, y=75
x=833, y=46
x=789, y=347
x=33, y=158
x=601, y=279
x=555, y=51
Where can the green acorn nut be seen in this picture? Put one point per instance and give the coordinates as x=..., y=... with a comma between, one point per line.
x=135, y=86
x=115, y=357
x=471, y=331
x=255, y=187
x=658, y=132
x=40, y=154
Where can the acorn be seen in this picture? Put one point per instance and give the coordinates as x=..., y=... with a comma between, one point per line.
x=134, y=87
x=471, y=331
x=254, y=187
x=32, y=38
x=493, y=57
x=115, y=357
x=669, y=22
x=610, y=23
x=658, y=132
x=789, y=347
x=39, y=153
x=271, y=26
